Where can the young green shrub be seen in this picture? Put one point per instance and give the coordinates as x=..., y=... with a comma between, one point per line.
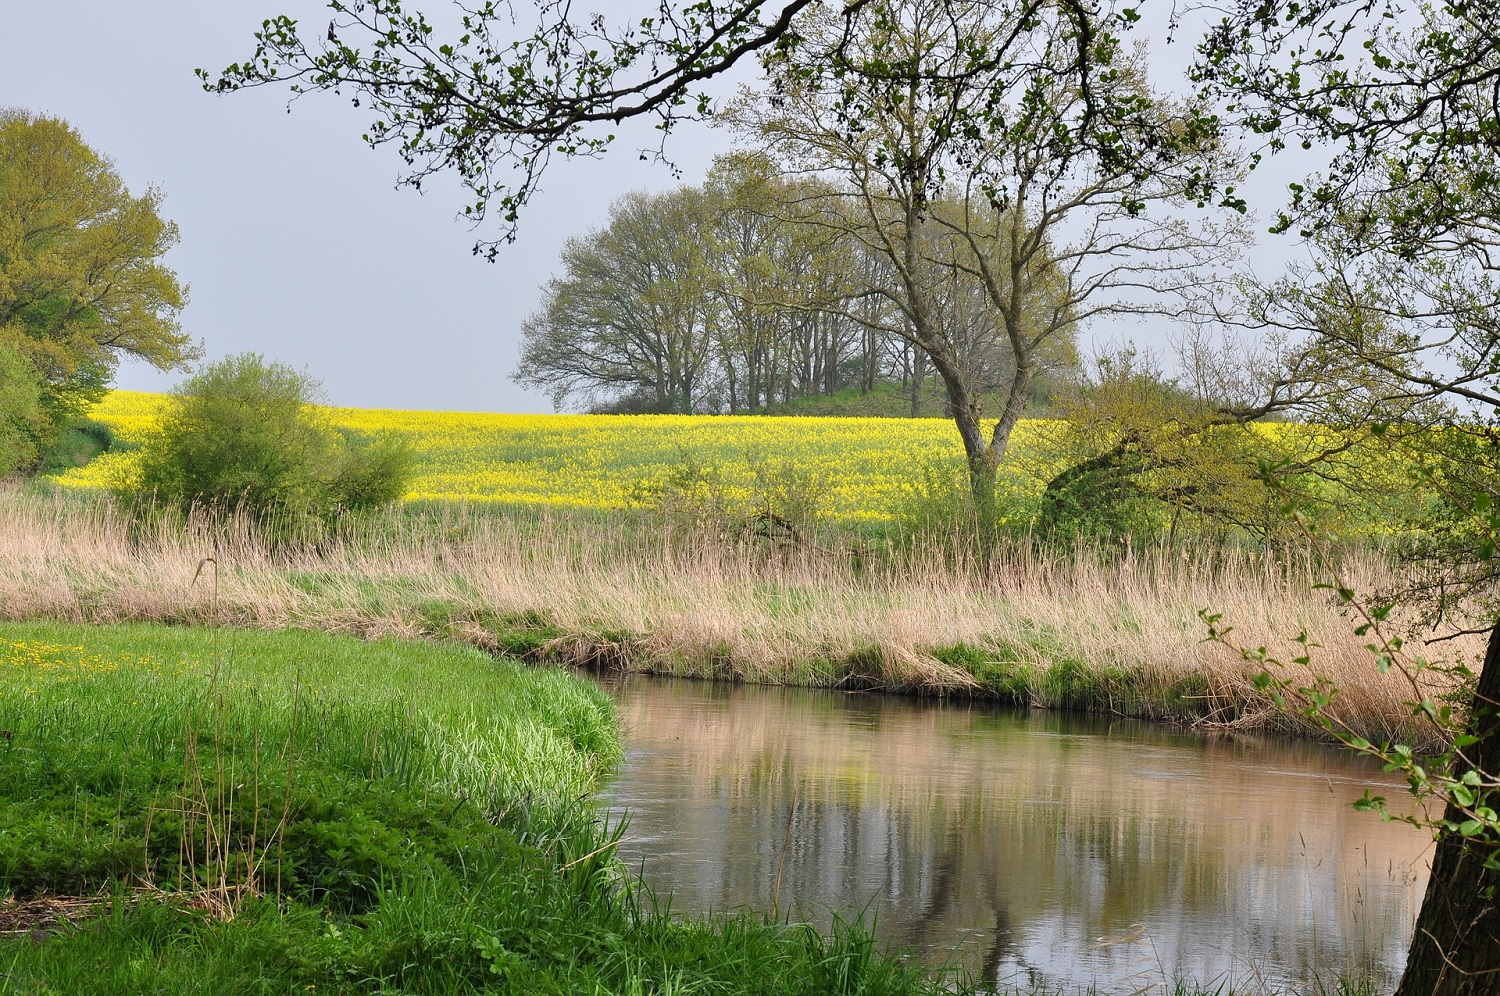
x=20, y=412
x=777, y=500
x=1098, y=500
x=247, y=433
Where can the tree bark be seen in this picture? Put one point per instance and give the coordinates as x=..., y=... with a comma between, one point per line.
x=981, y=460
x=1455, y=950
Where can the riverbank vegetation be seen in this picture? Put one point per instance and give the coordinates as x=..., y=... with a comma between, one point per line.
x=1116, y=631
x=194, y=810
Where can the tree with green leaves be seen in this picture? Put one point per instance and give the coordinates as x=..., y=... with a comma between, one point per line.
x=1403, y=281
x=81, y=278
x=1009, y=190
x=245, y=434
x=633, y=312
x=1153, y=454
x=699, y=299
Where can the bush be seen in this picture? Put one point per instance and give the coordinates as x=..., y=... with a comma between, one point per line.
x=247, y=433
x=779, y=500
x=20, y=412
x=1100, y=500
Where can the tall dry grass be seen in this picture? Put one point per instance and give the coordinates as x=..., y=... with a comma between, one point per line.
x=1118, y=633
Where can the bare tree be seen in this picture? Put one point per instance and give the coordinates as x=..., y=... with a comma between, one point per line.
x=633, y=311
x=962, y=146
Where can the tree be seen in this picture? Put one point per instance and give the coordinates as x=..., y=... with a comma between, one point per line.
x=243, y=434
x=1403, y=224
x=774, y=276
x=81, y=282
x=700, y=299
x=997, y=177
x=633, y=310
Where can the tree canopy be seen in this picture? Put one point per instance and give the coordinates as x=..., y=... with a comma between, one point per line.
x=82, y=281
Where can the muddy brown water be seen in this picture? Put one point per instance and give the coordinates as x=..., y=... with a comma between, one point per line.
x=1025, y=847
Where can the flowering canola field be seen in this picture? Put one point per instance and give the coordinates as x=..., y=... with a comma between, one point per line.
x=868, y=466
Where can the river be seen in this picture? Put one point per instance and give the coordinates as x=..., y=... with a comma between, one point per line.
x=1026, y=847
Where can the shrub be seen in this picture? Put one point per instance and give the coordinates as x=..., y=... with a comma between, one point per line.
x=1099, y=500
x=20, y=412
x=244, y=432
x=779, y=500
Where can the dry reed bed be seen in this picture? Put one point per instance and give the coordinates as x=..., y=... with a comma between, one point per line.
x=1122, y=634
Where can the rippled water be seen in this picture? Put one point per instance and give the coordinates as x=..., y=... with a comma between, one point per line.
x=1024, y=846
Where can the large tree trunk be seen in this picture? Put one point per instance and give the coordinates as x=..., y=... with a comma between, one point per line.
x=982, y=465
x=982, y=481
x=1456, y=948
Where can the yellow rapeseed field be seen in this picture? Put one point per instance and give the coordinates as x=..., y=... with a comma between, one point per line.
x=867, y=465
x=861, y=468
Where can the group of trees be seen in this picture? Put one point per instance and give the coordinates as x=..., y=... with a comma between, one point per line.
x=742, y=296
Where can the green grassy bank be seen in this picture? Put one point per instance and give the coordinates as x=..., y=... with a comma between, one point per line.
x=191, y=811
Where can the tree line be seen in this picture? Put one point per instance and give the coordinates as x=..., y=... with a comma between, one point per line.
x=736, y=296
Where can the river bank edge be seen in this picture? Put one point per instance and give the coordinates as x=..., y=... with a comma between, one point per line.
x=1121, y=634
x=270, y=813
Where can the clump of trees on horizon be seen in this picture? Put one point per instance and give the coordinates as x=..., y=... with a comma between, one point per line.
x=736, y=296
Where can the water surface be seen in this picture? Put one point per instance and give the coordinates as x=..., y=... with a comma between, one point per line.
x=1023, y=846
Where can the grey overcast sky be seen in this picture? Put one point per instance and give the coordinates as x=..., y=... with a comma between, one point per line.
x=295, y=242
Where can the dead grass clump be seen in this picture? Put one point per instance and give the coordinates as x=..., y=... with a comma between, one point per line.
x=39, y=916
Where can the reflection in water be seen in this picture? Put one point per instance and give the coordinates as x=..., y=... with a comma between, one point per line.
x=1026, y=846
